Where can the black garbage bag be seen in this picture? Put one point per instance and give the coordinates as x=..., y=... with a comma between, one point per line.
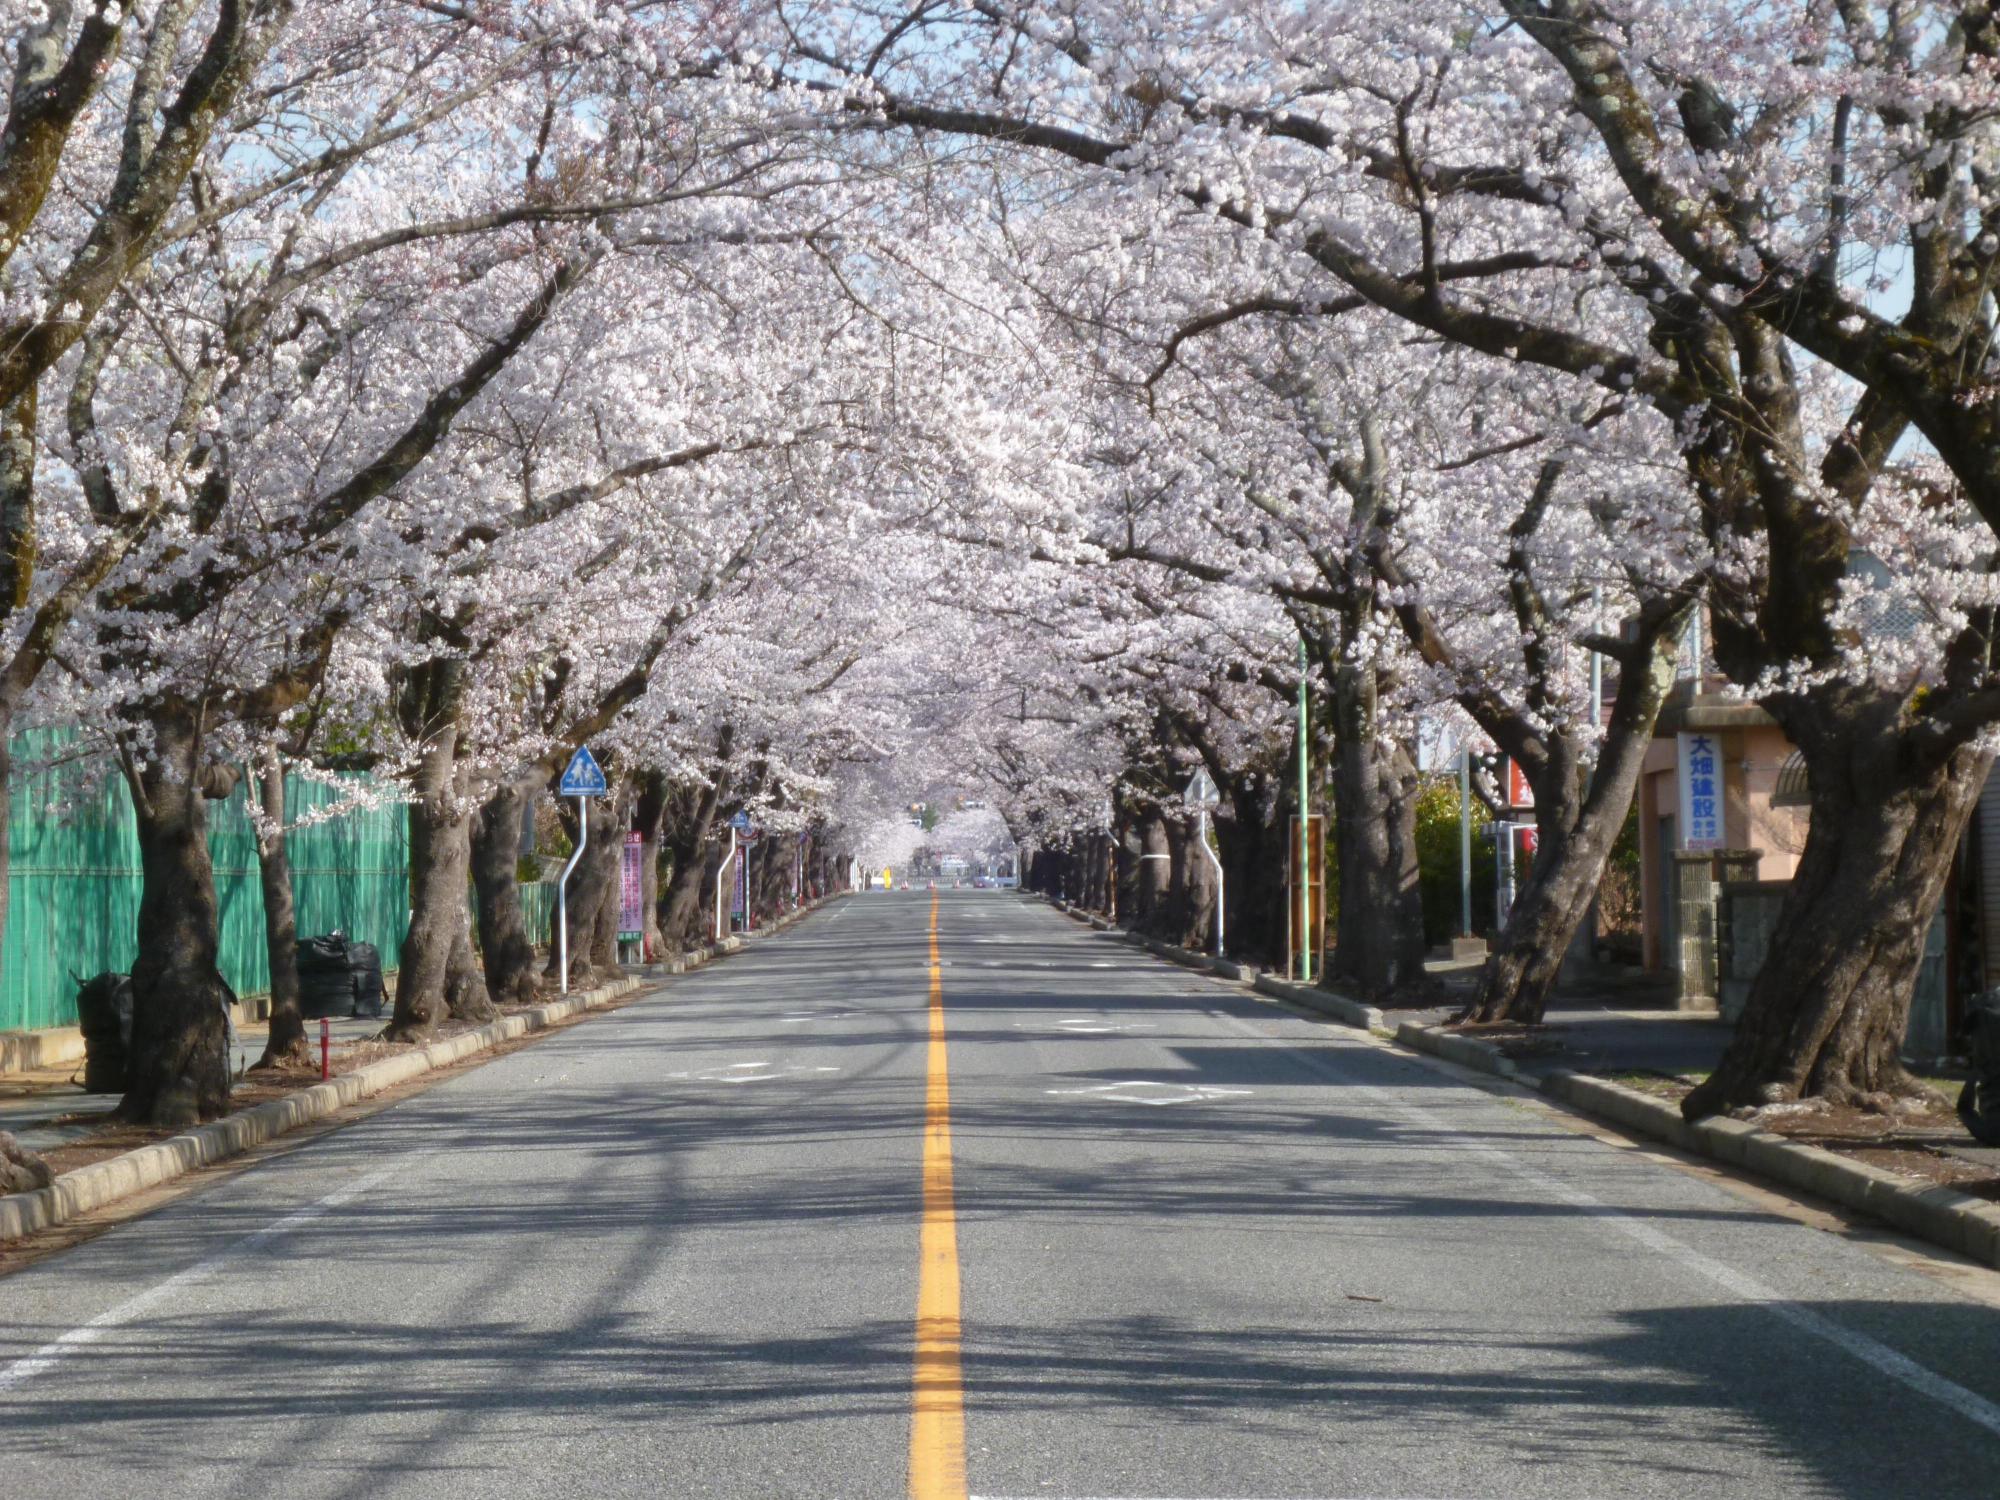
x=339, y=977
x=104, y=1012
x=366, y=970
x=326, y=976
x=1979, y=1100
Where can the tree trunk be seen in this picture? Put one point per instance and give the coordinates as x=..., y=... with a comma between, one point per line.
x=1101, y=877
x=611, y=905
x=684, y=905
x=774, y=874
x=1379, y=928
x=687, y=829
x=179, y=1071
x=17, y=571
x=1575, y=831
x=438, y=976
x=1252, y=832
x=506, y=951
x=1154, y=873
x=287, y=1041
x=1827, y=1014
x=649, y=815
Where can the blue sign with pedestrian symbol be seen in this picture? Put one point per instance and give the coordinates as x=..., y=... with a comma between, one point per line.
x=583, y=777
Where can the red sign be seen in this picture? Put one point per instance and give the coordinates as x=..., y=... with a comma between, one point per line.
x=1530, y=838
x=1519, y=793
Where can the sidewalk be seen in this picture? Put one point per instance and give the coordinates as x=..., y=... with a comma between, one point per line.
x=1621, y=1024
x=46, y=1107
x=1608, y=1020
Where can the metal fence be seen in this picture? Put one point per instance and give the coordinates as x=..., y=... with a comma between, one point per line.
x=74, y=892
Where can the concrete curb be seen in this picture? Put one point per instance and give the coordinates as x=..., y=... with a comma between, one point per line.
x=1942, y=1215
x=48, y=1047
x=93, y=1186
x=52, y=1046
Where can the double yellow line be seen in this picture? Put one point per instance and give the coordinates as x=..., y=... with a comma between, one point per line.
x=937, y=1392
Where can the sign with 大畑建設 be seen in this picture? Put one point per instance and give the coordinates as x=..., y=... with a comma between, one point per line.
x=1701, y=791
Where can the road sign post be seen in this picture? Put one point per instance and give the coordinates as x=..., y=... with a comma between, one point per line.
x=722, y=874
x=741, y=832
x=1202, y=795
x=583, y=778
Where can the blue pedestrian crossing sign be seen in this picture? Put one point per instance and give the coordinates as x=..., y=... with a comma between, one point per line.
x=583, y=777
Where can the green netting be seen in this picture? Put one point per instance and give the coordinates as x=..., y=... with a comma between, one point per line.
x=74, y=894
x=350, y=872
x=73, y=900
x=538, y=910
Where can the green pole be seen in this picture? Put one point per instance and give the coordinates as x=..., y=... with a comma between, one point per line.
x=1305, y=837
x=1465, y=841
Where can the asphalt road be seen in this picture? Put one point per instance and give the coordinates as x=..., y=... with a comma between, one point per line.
x=1205, y=1248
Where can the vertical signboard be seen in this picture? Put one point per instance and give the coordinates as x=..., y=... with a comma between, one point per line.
x=632, y=895
x=1701, y=791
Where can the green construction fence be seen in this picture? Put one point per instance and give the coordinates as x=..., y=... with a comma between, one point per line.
x=73, y=899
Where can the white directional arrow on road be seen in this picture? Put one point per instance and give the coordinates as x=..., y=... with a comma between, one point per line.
x=1146, y=1091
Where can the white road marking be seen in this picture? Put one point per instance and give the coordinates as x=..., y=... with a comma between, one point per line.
x=49, y=1355
x=1872, y=1352
x=745, y=1072
x=1148, y=1091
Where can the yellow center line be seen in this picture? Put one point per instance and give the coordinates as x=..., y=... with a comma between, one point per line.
x=937, y=1389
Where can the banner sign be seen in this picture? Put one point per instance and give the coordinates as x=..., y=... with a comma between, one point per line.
x=1701, y=791
x=632, y=902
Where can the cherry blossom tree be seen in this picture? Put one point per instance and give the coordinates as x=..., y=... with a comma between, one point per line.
x=1771, y=226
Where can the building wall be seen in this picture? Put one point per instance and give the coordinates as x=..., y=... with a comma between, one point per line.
x=1777, y=833
x=1752, y=756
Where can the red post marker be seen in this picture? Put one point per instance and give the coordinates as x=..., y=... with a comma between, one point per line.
x=325, y=1048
